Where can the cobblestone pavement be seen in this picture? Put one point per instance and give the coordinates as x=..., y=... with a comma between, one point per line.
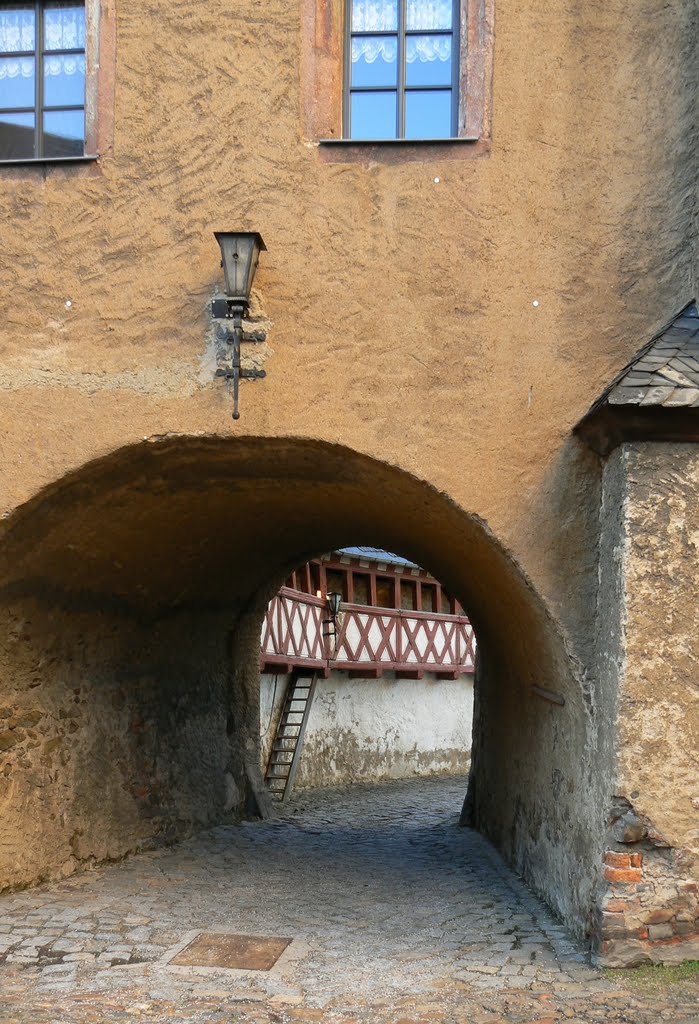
x=397, y=915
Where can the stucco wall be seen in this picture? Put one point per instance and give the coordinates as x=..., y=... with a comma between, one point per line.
x=650, y=908
x=371, y=729
x=436, y=328
x=112, y=737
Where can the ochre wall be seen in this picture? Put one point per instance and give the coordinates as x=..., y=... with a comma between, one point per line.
x=401, y=310
x=401, y=324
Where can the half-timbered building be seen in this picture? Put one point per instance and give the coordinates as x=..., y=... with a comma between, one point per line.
x=375, y=683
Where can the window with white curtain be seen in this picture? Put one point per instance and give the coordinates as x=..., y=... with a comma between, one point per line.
x=401, y=69
x=42, y=80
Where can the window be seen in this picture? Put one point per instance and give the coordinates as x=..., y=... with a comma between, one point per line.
x=42, y=80
x=362, y=588
x=336, y=582
x=402, y=69
x=385, y=592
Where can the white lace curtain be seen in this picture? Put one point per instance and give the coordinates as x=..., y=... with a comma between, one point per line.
x=382, y=16
x=422, y=48
x=64, y=29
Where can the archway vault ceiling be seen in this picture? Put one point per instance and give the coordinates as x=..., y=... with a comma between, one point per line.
x=216, y=522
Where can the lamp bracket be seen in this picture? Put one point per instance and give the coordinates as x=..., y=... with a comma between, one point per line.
x=243, y=374
x=234, y=309
x=223, y=334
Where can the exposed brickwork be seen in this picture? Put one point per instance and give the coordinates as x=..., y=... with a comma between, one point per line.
x=650, y=908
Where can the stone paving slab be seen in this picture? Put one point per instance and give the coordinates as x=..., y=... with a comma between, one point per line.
x=398, y=915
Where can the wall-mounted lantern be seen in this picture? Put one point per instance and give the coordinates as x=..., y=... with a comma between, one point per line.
x=333, y=600
x=240, y=252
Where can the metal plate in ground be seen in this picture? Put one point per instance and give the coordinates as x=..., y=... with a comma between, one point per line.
x=231, y=952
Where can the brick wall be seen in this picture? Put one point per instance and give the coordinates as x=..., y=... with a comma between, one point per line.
x=649, y=911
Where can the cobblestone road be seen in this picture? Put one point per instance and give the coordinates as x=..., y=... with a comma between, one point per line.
x=397, y=915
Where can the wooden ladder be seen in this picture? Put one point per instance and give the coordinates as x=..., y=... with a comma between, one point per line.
x=288, y=740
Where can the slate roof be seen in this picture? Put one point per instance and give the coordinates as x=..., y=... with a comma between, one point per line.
x=655, y=396
x=666, y=371
x=378, y=555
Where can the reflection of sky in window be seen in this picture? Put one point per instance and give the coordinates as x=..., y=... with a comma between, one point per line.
x=428, y=115
x=17, y=82
x=374, y=61
x=69, y=124
x=64, y=80
x=64, y=131
x=428, y=60
x=373, y=115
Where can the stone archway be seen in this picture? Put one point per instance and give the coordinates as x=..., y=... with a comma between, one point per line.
x=133, y=591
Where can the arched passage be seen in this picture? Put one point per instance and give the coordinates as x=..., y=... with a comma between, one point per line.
x=134, y=591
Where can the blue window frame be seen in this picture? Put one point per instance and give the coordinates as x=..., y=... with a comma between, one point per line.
x=42, y=79
x=401, y=69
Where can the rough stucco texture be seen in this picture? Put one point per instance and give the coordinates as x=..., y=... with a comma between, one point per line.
x=362, y=730
x=401, y=323
x=650, y=907
x=112, y=737
x=659, y=701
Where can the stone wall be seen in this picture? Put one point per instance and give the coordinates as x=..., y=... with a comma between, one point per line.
x=650, y=885
x=362, y=730
x=113, y=736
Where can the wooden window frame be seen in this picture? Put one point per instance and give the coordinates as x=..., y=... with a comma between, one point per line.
x=323, y=78
x=100, y=61
x=402, y=33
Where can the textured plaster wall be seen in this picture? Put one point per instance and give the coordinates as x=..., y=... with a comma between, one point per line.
x=659, y=701
x=112, y=737
x=649, y=908
x=401, y=325
x=370, y=729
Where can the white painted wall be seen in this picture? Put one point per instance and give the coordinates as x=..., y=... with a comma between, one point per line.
x=371, y=729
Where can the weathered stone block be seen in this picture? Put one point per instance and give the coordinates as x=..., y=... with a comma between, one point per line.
x=659, y=931
x=8, y=739
x=660, y=916
x=620, y=906
x=628, y=829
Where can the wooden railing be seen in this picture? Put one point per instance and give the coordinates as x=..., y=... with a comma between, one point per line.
x=368, y=641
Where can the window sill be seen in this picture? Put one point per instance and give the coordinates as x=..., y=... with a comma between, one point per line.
x=401, y=151
x=31, y=161
x=457, y=139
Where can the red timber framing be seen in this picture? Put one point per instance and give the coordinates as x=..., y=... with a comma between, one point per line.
x=369, y=641
x=384, y=584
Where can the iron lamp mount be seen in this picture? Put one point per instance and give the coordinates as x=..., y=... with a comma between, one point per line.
x=239, y=255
